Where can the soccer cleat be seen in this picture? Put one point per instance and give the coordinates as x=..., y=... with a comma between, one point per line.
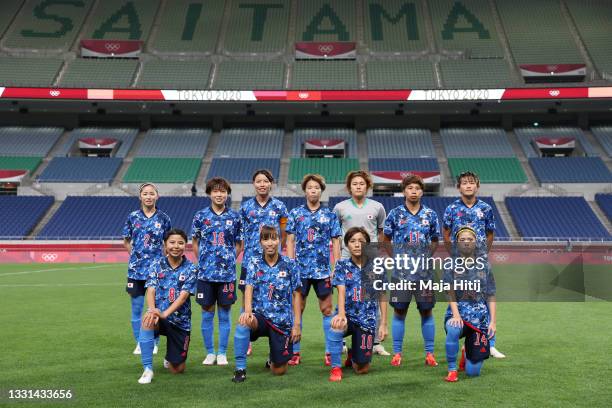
x=430, y=360
x=249, y=350
x=380, y=350
x=327, y=359
x=222, y=360
x=344, y=348
x=396, y=361
x=336, y=374
x=239, y=376
x=451, y=377
x=137, y=350
x=146, y=376
x=462, y=360
x=210, y=359
x=166, y=363
x=155, y=349
x=268, y=364
x=349, y=359
x=496, y=353
x=295, y=359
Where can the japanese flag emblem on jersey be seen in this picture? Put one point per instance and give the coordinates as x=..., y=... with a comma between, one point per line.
x=200, y=296
x=130, y=285
x=181, y=278
x=370, y=217
x=324, y=219
x=425, y=222
x=272, y=213
x=229, y=223
x=157, y=225
x=282, y=274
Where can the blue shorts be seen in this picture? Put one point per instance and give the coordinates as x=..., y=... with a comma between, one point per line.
x=322, y=287
x=400, y=299
x=362, y=342
x=135, y=287
x=222, y=293
x=281, y=347
x=241, y=282
x=177, y=341
x=477, y=346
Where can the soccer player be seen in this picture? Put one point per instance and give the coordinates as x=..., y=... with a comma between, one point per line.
x=357, y=313
x=216, y=240
x=271, y=306
x=171, y=281
x=413, y=229
x=310, y=229
x=470, y=211
x=471, y=311
x=143, y=235
x=359, y=211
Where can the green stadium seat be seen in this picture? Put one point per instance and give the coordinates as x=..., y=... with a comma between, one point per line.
x=20, y=163
x=102, y=73
x=175, y=74
x=334, y=170
x=326, y=20
x=9, y=9
x=247, y=75
x=156, y=170
x=490, y=170
x=486, y=73
x=122, y=20
x=29, y=71
x=325, y=75
x=383, y=74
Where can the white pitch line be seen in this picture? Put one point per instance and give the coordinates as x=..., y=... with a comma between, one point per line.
x=54, y=270
x=48, y=285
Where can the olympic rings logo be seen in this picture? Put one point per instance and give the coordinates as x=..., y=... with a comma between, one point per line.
x=48, y=257
x=303, y=95
x=54, y=93
x=112, y=47
x=326, y=49
x=554, y=92
x=501, y=257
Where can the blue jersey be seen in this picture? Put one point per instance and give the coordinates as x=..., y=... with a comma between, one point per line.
x=472, y=302
x=217, y=235
x=479, y=217
x=147, y=238
x=360, y=304
x=168, y=284
x=273, y=288
x=313, y=232
x=254, y=216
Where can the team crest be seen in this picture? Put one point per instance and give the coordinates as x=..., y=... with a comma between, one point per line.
x=324, y=219
x=479, y=214
x=272, y=213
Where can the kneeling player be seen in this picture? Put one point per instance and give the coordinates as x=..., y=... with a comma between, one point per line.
x=471, y=311
x=171, y=280
x=356, y=315
x=271, y=306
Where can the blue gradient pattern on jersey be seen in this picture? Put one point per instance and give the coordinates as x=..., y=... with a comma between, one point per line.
x=168, y=284
x=479, y=217
x=254, y=216
x=273, y=288
x=313, y=232
x=217, y=235
x=147, y=238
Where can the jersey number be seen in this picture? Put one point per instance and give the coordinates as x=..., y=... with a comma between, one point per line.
x=311, y=234
x=357, y=295
x=480, y=338
x=366, y=341
x=171, y=295
x=218, y=238
x=414, y=236
x=270, y=292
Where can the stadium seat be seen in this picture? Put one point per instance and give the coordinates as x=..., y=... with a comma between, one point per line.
x=475, y=73
x=163, y=170
x=175, y=74
x=326, y=20
x=249, y=75
x=28, y=141
x=182, y=143
x=122, y=19
x=526, y=136
x=334, y=170
x=604, y=136
x=399, y=143
x=125, y=135
x=301, y=135
x=250, y=143
x=241, y=170
x=17, y=71
x=101, y=73
x=399, y=74
x=9, y=10
x=81, y=170
x=567, y=218
x=570, y=170
x=395, y=164
x=20, y=214
x=20, y=163
x=325, y=75
x=475, y=142
x=490, y=170
x=605, y=203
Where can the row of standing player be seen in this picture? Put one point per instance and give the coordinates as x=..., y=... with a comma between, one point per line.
x=218, y=231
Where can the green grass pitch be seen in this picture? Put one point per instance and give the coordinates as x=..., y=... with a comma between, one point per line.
x=67, y=327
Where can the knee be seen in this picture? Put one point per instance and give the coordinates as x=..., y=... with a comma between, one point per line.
x=278, y=370
x=472, y=369
x=361, y=368
x=400, y=313
x=336, y=334
x=177, y=369
x=326, y=309
x=426, y=313
x=242, y=331
x=208, y=309
x=224, y=314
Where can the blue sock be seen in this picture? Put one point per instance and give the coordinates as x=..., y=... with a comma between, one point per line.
x=225, y=325
x=147, y=342
x=492, y=340
x=137, y=304
x=207, y=327
x=335, y=346
x=398, y=327
x=452, y=345
x=326, y=326
x=473, y=369
x=428, y=329
x=296, y=346
x=242, y=337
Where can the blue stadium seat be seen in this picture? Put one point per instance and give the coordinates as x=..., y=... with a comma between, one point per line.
x=570, y=170
x=237, y=142
x=241, y=170
x=422, y=164
x=81, y=169
x=399, y=143
x=20, y=214
x=476, y=142
x=28, y=141
x=182, y=143
x=604, y=135
x=605, y=203
x=554, y=218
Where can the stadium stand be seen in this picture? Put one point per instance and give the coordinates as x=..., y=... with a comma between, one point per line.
x=234, y=74
x=475, y=142
x=604, y=136
x=526, y=135
x=81, y=170
x=103, y=217
x=9, y=9
x=605, y=203
x=567, y=218
x=102, y=73
x=175, y=74
x=182, y=143
x=325, y=75
x=20, y=163
x=398, y=74
x=250, y=143
x=163, y=170
x=475, y=73
x=570, y=170
x=303, y=134
x=20, y=214
x=28, y=141
x=399, y=143
x=334, y=170
x=489, y=170
x=241, y=170
x=126, y=136
x=27, y=72
x=326, y=20
x=396, y=164
x=108, y=19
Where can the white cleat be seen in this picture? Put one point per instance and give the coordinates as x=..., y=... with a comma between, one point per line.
x=496, y=353
x=166, y=363
x=380, y=350
x=222, y=360
x=210, y=359
x=344, y=349
x=146, y=377
x=137, y=351
x=155, y=349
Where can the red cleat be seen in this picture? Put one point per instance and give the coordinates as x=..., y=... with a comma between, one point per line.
x=451, y=377
x=349, y=359
x=295, y=359
x=430, y=360
x=462, y=360
x=249, y=350
x=336, y=374
x=396, y=361
x=328, y=359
